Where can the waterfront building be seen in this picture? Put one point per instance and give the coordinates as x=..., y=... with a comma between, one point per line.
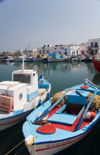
x=61, y=49
x=32, y=53
x=94, y=46
x=83, y=48
x=73, y=50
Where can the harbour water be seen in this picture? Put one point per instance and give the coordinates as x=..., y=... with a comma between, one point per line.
x=61, y=75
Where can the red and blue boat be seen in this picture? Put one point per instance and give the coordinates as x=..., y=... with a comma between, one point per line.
x=65, y=125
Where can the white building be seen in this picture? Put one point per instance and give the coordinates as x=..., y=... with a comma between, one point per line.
x=94, y=46
x=32, y=53
x=73, y=50
x=62, y=49
x=83, y=48
x=44, y=50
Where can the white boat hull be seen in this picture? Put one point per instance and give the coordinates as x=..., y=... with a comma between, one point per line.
x=10, y=121
x=54, y=147
x=7, y=122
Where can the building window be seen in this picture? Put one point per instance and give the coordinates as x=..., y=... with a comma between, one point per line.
x=43, y=51
x=95, y=51
x=39, y=51
x=47, y=51
x=92, y=52
x=92, y=44
x=73, y=52
x=96, y=45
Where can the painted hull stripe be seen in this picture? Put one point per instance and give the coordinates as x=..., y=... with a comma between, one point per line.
x=13, y=121
x=63, y=144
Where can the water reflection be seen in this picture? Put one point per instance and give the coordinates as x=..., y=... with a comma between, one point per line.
x=47, y=66
x=96, y=79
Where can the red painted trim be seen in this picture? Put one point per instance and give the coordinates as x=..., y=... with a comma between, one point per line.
x=63, y=144
x=12, y=121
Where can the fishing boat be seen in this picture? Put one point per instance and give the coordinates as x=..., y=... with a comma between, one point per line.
x=21, y=95
x=20, y=58
x=26, y=56
x=36, y=59
x=52, y=128
x=96, y=63
x=55, y=57
x=8, y=59
x=49, y=59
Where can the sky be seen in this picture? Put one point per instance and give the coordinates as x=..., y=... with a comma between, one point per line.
x=34, y=23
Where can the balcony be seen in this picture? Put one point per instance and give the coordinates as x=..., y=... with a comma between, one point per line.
x=96, y=47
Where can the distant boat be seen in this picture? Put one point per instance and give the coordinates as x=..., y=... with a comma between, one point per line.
x=8, y=59
x=55, y=57
x=96, y=63
x=19, y=58
x=21, y=95
x=87, y=58
x=26, y=57
x=50, y=59
x=35, y=59
x=51, y=128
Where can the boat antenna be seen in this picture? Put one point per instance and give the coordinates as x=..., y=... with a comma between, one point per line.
x=23, y=63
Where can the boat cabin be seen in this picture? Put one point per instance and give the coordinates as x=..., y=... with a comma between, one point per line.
x=29, y=77
x=22, y=89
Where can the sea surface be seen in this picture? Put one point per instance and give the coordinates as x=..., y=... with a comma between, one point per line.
x=61, y=75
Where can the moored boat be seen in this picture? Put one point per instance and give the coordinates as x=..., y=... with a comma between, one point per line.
x=37, y=59
x=96, y=63
x=8, y=59
x=21, y=95
x=59, y=127
x=50, y=59
x=55, y=57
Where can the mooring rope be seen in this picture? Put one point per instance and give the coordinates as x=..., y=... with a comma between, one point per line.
x=27, y=145
x=15, y=147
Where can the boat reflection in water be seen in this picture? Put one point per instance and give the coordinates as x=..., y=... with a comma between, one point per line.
x=96, y=79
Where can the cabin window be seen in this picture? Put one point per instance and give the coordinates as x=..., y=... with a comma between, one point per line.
x=23, y=78
x=20, y=96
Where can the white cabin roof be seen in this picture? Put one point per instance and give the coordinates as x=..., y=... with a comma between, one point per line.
x=8, y=83
x=24, y=72
x=11, y=85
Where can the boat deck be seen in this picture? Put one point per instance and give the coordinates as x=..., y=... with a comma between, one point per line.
x=41, y=91
x=67, y=126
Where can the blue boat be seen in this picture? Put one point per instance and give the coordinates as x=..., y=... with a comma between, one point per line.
x=52, y=128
